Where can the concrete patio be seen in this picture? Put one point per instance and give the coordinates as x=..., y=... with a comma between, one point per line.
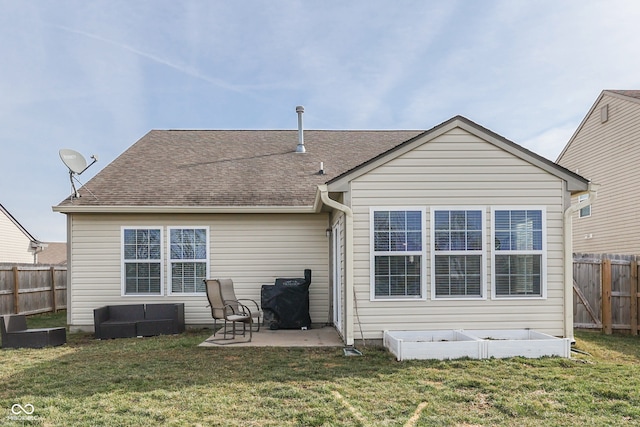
x=316, y=337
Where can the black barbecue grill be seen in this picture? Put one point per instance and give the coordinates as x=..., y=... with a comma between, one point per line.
x=285, y=304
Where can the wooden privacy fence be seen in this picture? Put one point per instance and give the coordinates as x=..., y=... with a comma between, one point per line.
x=605, y=289
x=31, y=289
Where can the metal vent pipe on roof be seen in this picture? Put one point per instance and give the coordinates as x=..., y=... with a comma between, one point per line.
x=300, y=148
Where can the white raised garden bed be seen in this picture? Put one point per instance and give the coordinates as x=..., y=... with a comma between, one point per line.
x=501, y=343
x=432, y=345
x=474, y=344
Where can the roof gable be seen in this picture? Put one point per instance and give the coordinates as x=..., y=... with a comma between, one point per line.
x=626, y=95
x=575, y=182
x=17, y=224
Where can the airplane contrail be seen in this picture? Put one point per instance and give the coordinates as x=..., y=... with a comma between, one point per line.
x=189, y=71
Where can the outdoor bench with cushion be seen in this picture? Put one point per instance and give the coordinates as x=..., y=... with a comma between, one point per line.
x=134, y=320
x=15, y=334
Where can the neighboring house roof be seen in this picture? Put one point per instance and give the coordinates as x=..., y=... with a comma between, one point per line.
x=55, y=253
x=253, y=168
x=628, y=95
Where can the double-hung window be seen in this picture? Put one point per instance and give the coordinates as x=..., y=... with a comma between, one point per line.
x=142, y=261
x=188, y=259
x=397, y=255
x=457, y=253
x=586, y=211
x=519, y=252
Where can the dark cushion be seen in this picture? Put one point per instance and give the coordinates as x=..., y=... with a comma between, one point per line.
x=57, y=336
x=160, y=311
x=26, y=339
x=107, y=320
x=117, y=329
x=174, y=312
x=15, y=323
x=129, y=312
x=149, y=328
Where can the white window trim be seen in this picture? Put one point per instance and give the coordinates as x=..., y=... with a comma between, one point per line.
x=581, y=198
x=169, y=260
x=373, y=253
x=482, y=253
x=123, y=279
x=543, y=252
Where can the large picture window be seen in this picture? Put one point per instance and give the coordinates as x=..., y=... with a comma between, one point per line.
x=188, y=259
x=519, y=252
x=142, y=261
x=457, y=261
x=397, y=242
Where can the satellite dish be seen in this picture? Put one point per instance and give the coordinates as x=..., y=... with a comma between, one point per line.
x=76, y=164
x=73, y=160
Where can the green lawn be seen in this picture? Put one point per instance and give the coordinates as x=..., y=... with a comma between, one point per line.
x=170, y=381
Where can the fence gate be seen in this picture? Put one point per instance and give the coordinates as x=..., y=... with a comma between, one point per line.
x=605, y=292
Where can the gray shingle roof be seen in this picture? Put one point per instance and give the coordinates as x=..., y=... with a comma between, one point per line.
x=54, y=253
x=215, y=168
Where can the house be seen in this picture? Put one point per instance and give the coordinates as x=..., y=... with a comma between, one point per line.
x=17, y=245
x=606, y=149
x=454, y=227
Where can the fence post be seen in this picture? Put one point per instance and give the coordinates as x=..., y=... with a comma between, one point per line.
x=16, y=291
x=633, y=293
x=606, y=297
x=53, y=290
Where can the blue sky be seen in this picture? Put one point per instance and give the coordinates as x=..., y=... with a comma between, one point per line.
x=96, y=76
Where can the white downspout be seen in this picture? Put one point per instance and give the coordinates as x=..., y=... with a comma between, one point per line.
x=568, y=258
x=348, y=259
x=70, y=285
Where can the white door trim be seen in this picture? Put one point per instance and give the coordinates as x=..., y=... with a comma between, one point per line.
x=337, y=277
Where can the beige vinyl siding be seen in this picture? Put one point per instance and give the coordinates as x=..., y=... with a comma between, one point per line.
x=252, y=249
x=458, y=169
x=608, y=154
x=14, y=244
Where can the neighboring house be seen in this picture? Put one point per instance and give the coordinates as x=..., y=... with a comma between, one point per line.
x=17, y=245
x=455, y=227
x=606, y=150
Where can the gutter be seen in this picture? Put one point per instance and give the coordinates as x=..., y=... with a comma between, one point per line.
x=182, y=209
x=348, y=255
x=568, y=257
